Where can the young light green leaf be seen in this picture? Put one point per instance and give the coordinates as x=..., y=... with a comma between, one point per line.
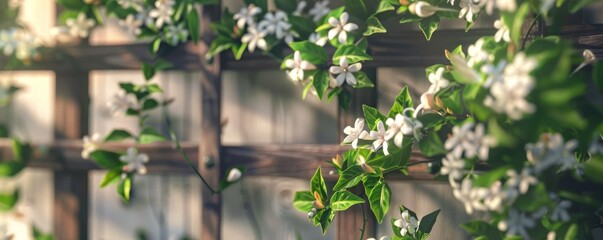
x=111, y=177
x=150, y=135
x=8, y=200
x=124, y=189
x=303, y=200
x=429, y=25
x=118, y=135
x=341, y=201
x=352, y=53
x=106, y=159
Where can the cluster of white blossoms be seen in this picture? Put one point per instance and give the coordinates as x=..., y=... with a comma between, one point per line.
x=135, y=162
x=517, y=223
x=552, y=151
x=20, y=42
x=467, y=143
x=398, y=127
x=91, y=144
x=407, y=224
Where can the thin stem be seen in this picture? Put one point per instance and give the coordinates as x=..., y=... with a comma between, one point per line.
x=420, y=162
x=525, y=39
x=363, y=223
x=183, y=153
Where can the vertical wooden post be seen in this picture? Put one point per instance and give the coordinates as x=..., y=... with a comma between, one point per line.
x=70, y=187
x=210, y=143
x=350, y=222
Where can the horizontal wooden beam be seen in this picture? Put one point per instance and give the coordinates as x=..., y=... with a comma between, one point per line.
x=296, y=161
x=404, y=49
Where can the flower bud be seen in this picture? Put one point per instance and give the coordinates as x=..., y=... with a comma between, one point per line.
x=422, y=9
x=589, y=56
x=234, y=175
x=318, y=204
x=311, y=215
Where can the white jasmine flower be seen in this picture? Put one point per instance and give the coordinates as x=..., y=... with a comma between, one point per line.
x=135, y=161
x=345, y=72
x=517, y=223
x=471, y=197
x=508, y=96
x=551, y=150
x=382, y=238
x=135, y=4
x=290, y=35
x=298, y=66
x=300, y=8
x=407, y=223
x=318, y=40
x=379, y=137
x=476, y=53
x=495, y=197
x=437, y=80
x=472, y=143
x=560, y=211
x=341, y=27
x=275, y=23
x=462, y=67
x=255, y=38
x=362, y=162
x=234, y=175
x=453, y=167
x=132, y=24
x=91, y=144
x=175, y=34
x=503, y=33
x=428, y=102
x=319, y=10
x=162, y=13
x=80, y=26
x=494, y=72
x=451, y=2
x=120, y=103
x=246, y=14
x=422, y=9
x=354, y=133
x=506, y=5
x=521, y=181
x=468, y=10
x=402, y=125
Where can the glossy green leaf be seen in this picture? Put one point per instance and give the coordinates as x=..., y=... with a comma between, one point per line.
x=326, y=219
x=352, y=53
x=362, y=80
x=148, y=70
x=341, y=201
x=150, y=135
x=321, y=82
x=429, y=25
x=149, y=104
x=125, y=188
x=286, y=5
x=192, y=20
x=317, y=184
x=112, y=176
x=106, y=159
x=379, y=198
x=374, y=26
x=118, y=135
x=431, y=145
x=372, y=115
x=356, y=8
x=303, y=200
x=403, y=101
x=310, y=52
x=396, y=159
x=349, y=178
x=488, y=178
x=427, y=222
x=593, y=169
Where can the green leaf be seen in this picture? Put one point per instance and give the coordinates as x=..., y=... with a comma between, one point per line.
x=593, y=169
x=124, y=189
x=8, y=200
x=72, y=4
x=111, y=176
x=572, y=232
x=127, y=87
x=341, y=201
x=106, y=159
x=326, y=218
x=372, y=115
x=238, y=52
x=98, y=16
x=148, y=70
x=310, y=52
x=156, y=45
x=431, y=145
x=21, y=151
x=38, y=235
x=11, y=168
x=321, y=82
x=403, y=101
x=429, y=25
x=352, y=53
x=118, y=135
x=379, y=198
x=481, y=228
x=161, y=64
x=356, y=8
x=344, y=97
x=154, y=88
x=286, y=5
x=303, y=26
x=428, y=221
x=362, y=80
x=374, y=26
x=385, y=6
x=396, y=159
x=149, y=104
x=150, y=135
x=488, y=178
x=349, y=178
x=598, y=75
x=303, y=200
x=518, y=22
x=192, y=20
x=219, y=45
x=317, y=184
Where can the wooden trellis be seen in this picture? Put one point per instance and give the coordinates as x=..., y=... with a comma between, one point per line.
x=72, y=65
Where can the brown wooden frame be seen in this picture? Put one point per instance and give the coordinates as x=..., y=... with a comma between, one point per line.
x=297, y=161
